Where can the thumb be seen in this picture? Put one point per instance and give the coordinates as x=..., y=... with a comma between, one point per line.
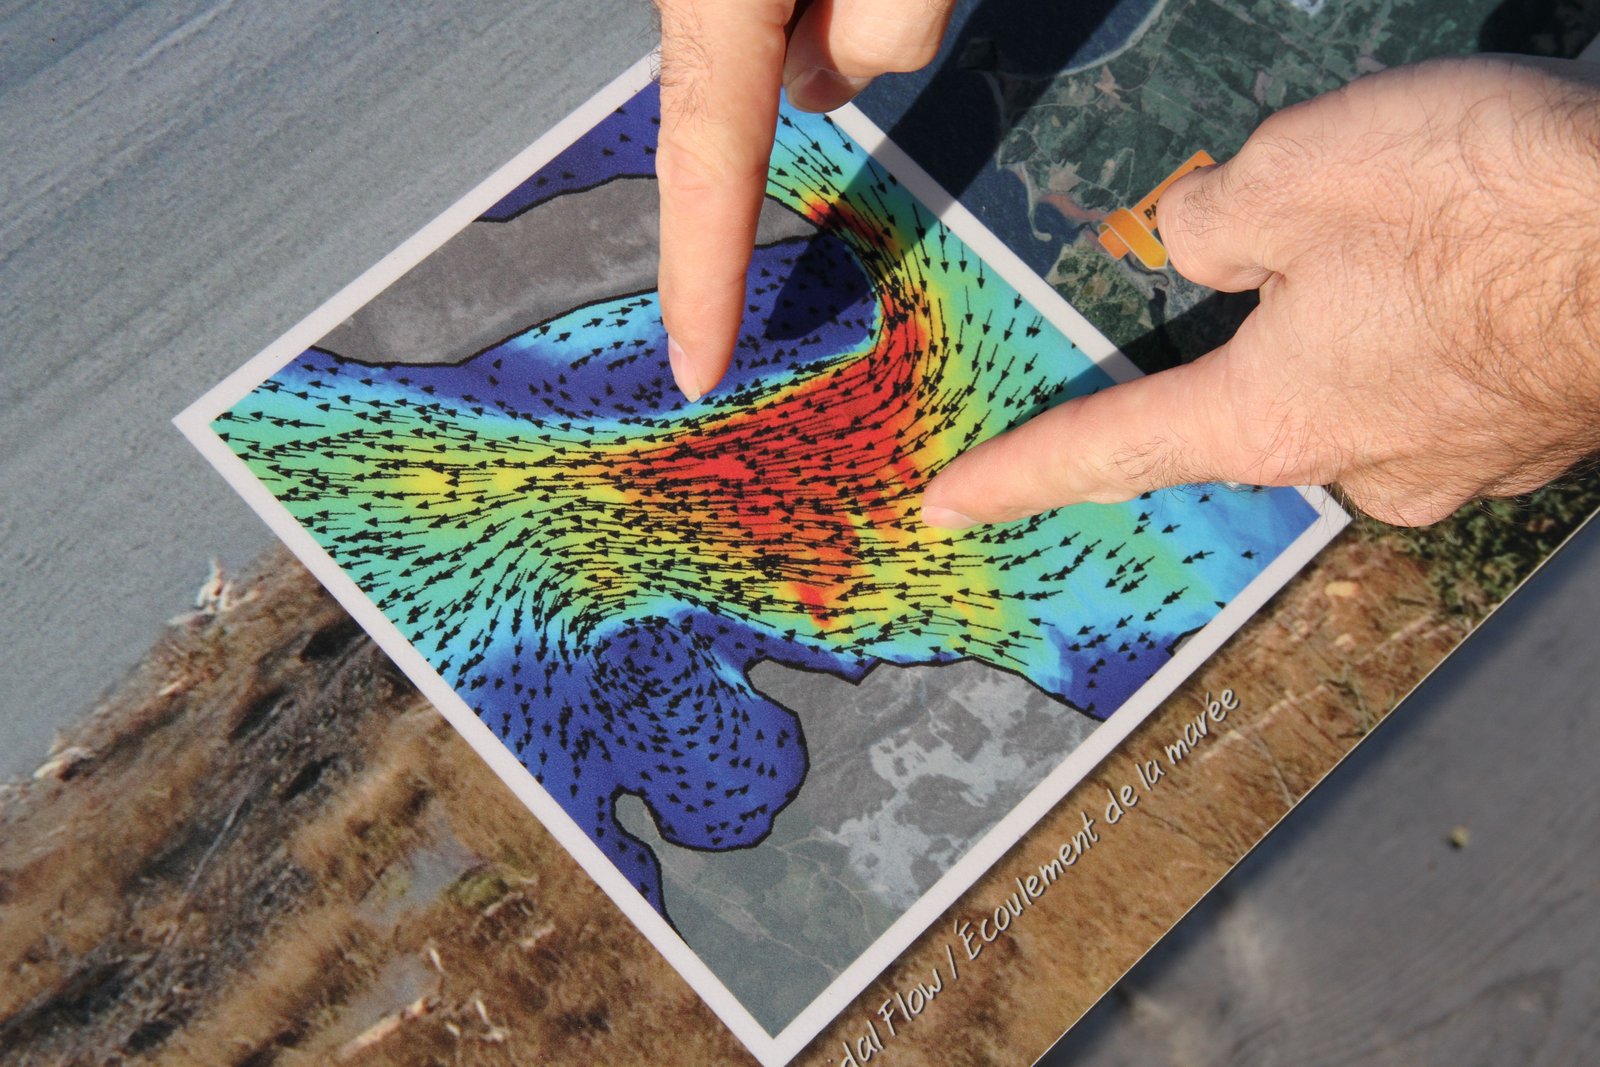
x=1170, y=428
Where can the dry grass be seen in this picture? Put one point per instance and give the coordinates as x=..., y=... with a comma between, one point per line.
x=1315, y=671
x=275, y=852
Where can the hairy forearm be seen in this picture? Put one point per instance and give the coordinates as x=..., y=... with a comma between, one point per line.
x=1548, y=314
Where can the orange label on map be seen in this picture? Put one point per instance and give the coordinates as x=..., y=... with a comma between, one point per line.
x=1134, y=229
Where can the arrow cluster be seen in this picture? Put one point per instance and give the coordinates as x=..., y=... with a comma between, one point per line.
x=595, y=567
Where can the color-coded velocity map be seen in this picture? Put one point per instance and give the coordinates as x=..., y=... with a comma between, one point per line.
x=596, y=567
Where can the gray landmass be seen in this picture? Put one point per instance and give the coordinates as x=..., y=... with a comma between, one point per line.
x=909, y=768
x=495, y=279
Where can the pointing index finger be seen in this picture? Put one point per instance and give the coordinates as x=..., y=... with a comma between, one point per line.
x=1170, y=428
x=721, y=69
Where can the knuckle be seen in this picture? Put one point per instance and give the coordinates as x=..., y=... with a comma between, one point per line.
x=1264, y=173
x=1197, y=218
x=1276, y=164
x=691, y=170
x=873, y=44
x=1180, y=205
x=1183, y=220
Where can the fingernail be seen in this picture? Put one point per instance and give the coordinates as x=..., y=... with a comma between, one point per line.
x=821, y=89
x=683, y=371
x=945, y=518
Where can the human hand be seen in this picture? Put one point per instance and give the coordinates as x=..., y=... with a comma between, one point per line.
x=722, y=64
x=1427, y=246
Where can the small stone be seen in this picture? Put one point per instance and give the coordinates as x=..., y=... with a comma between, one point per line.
x=1345, y=641
x=64, y=764
x=1342, y=589
x=536, y=937
x=1459, y=837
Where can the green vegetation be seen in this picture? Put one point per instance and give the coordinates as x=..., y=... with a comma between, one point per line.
x=478, y=888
